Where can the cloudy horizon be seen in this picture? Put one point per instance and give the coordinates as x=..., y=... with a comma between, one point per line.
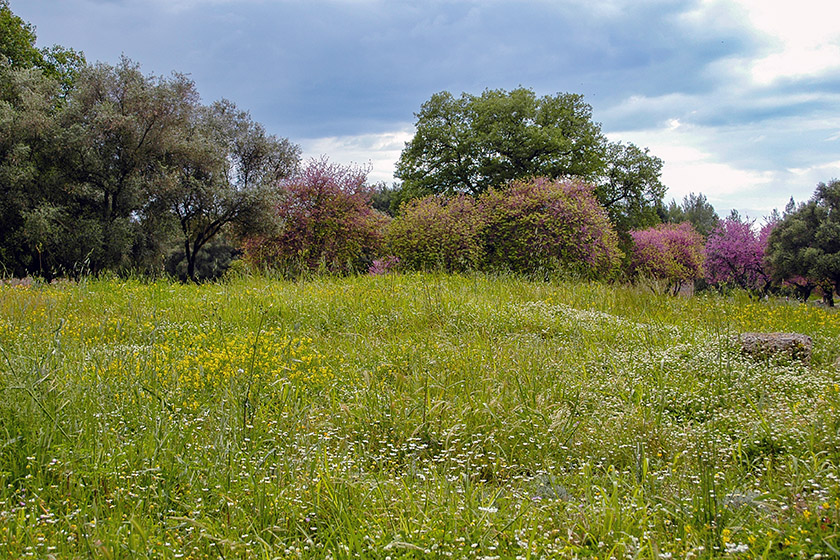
x=739, y=98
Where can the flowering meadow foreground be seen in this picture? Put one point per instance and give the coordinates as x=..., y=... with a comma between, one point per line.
x=411, y=416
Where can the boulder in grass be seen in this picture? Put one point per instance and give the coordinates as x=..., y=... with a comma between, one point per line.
x=768, y=345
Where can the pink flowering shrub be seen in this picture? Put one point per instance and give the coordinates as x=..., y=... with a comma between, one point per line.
x=385, y=265
x=325, y=222
x=735, y=255
x=438, y=232
x=671, y=252
x=548, y=224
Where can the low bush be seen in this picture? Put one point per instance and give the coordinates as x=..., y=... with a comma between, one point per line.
x=549, y=225
x=438, y=232
x=325, y=223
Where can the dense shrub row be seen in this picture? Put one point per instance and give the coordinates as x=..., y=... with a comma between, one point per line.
x=531, y=226
x=326, y=223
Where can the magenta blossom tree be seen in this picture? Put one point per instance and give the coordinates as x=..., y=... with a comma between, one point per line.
x=670, y=252
x=735, y=255
x=325, y=222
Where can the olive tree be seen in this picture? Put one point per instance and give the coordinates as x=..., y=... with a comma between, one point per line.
x=116, y=126
x=221, y=171
x=805, y=244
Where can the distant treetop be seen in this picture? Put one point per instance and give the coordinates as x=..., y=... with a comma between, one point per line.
x=472, y=143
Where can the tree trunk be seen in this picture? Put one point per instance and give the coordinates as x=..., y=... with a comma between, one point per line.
x=189, y=254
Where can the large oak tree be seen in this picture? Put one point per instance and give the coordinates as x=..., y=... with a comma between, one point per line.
x=476, y=142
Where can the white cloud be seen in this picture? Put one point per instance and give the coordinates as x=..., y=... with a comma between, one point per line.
x=826, y=171
x=801, y=38
x=796, y=63
x=695, y=160
x=378, y=152
x=690, y=167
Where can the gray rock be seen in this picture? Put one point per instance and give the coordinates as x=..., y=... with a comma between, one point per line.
x=767, y=345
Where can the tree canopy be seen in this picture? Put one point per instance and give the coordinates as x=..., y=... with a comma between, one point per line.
x=806, y=243
x=221, y=169
x=17, y=40
x=18, y=50
x=695, y=209
x=473, y=143
x=735, y=255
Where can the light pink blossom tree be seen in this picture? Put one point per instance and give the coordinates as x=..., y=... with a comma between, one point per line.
x=670, y=252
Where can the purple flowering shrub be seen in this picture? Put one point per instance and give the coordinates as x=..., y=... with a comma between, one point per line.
x=438, y=232
x=735, y=255
x=326, y=222
x=670, y=252
x=549, y=224
x=385, y=265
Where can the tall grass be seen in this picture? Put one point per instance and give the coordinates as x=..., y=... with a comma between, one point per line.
x=410, y=415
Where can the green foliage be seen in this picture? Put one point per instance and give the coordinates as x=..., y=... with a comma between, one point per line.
x=112, y=172
x=28, y=169
x=64, y=65
x=219, y=171
x=387, y=199
x=696, y=210
x=805, y=245
x=473, y=143
x=17, y=50
x=36, y=223
x=439, y=232
x=630, y=188
x=17, y=40
x=117, y=124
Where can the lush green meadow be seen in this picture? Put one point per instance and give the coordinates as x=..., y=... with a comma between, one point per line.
x=407, y=416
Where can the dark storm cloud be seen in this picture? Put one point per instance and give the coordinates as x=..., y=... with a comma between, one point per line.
x=678, y=76
x=332, y=68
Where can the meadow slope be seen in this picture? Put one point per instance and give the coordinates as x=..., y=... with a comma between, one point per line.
x=411, y=416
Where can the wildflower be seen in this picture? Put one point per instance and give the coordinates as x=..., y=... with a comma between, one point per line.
x=733, y=548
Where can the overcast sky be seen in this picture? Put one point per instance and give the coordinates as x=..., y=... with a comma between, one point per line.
x=740, y=98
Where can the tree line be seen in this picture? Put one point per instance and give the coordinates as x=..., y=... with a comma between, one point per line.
x=103, y=168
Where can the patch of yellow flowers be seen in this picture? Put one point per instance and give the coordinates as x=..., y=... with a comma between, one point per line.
x=190, y=367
